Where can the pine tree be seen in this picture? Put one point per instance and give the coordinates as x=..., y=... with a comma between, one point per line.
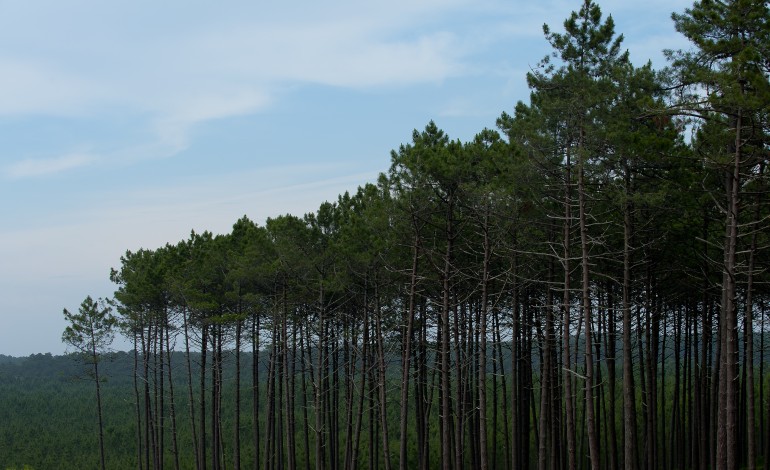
x=726, y=77
x=90, y=332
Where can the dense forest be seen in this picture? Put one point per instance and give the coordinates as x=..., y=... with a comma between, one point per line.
x=584, y=287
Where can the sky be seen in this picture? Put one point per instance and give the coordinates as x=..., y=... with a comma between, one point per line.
x=125, y=125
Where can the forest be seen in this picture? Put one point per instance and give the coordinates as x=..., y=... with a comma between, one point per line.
x=583, y=287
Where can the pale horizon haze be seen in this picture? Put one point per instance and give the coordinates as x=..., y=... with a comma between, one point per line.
x=125, y=125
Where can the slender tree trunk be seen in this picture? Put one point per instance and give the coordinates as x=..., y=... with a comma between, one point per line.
x=202, y=391
x=504, y=394
x=568, y=397
x=515, y=382
x=593, y=435
x=364, y=369
x=305, y=404
x=237, y=423
x=255, y=387
x=406, y=356
x=611, y=357
x=137, y=404
x=526, y=390
x=446, y=412
x=749, y=335
x=373, y=428
x=382, y=388
x=427, y=387
x=547, y=453
x=482, y=365
x=191, y=404
x=350, y=348
x=289, y=397
x=495, y=394
x=270, y=436
x=95, y=361
x=215, y=371
x=160, y=393
x=172, y=405
x=631, y=445
x=726, y=450
x=320, y=430
x=458, y=423
x=147, y=404
x=280, y=408
x=676, y=402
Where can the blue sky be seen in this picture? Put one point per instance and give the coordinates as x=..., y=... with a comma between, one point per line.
x=124, y=125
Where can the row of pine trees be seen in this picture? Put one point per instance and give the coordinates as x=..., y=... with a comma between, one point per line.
x=585, y=287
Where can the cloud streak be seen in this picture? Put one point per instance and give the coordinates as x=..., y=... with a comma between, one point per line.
x=174, y=127
x=37, y=87
x=232, y=56
x=29, y=168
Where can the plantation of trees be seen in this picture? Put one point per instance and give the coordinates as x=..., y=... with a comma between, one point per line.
x=585, y=287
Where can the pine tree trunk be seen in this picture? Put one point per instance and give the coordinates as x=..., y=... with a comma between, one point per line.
x=446, y=412
x=172, y=404
x=237, y=421
x=593, y=435
x=611, y=357
x=270, y=436
x=137, y=407
x=255, y=387
x=364, y=367
x=95, y=361
x=289, y=396
x=406, y=356
x=731, y=310
x=631, y=444
x=381, y=381
x=568, y=394
x=202, y=391
x=482, y=364
x=319, y=391
x=504, y=391
x=305, y=404
x=749, y=335
x=350, y=348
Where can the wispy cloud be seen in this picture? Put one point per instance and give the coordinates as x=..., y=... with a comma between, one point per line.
x=247, y=52
x=36, y=87
x=173, y=128
x=339, y=53
x=29, y=168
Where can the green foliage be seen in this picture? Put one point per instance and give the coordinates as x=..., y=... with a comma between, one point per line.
x=91, y=330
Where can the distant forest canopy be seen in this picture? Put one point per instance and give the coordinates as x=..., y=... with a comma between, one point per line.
x=580, y=288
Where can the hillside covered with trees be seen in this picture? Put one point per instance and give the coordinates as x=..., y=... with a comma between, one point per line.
x=580, y=288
